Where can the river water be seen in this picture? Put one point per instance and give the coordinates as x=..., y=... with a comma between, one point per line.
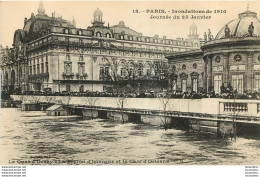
x=34, y=138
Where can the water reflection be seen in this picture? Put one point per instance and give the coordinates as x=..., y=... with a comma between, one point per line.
x=28, y=137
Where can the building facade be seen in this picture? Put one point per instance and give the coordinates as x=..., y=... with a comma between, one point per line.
x=50, y=53
x=232, y=57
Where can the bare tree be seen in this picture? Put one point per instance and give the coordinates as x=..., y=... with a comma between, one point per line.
x=165, y=108
x=120, y=104
x=91, y=101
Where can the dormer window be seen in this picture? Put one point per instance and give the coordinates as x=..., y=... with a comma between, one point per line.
x=130, y=38
x=66, y=31
x=121, y=37
x=98, y=34
x=108, y=35
x=80, y=32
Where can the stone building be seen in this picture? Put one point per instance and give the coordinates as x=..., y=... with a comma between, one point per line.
x=233, y=56
x=50, y=53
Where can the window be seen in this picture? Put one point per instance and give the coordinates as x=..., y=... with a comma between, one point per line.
x=80, y=58
x=38, y=68
x=68, y=68
x=98, y=34
x=30, y=70
x=257, y=82
x=42, y=68
x=67, y=57
x=81, y=69
x=68, y=88
x=80, y=32
x=148, y=73
x=140, y=71
x=34, y=69
x=101, y=72
x=131, y=72
x=237, y=83
x=195, y=84
x=122, y=71
x=108, y=35
x=81, y=88
x=47, y=67
x=121, y=37
x=184, y=85
x=106, y=71
x=174, y=84
x=217, y=83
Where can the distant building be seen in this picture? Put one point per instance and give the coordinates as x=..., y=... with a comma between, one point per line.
x=233, y=56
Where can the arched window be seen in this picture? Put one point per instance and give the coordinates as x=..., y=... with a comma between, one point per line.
x=66, y=31
x=140, y=69
x=122, y=37
x=98, y=34
x=108, y=35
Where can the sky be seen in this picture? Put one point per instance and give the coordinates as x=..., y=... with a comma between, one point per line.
x=12, y=14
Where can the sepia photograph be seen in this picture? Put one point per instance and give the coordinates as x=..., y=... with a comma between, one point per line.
x=130, y=83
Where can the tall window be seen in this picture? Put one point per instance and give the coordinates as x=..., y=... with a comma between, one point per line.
x=34, y=69
x=81, y=69
x=195, y=84
x=121, y=71
x=38, y=68
x=42, y=67
x=68, y=68
x=217, y=83
x=257, y=82
x=47, y=67
x=140, y=69
x=237, y=83
x=184, y=85
x=30, y=70
x=106, y=71
x=148, y=73
x=174, y=84
x=101, y=72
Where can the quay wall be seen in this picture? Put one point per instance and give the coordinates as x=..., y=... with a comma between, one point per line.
x=204, y=106
x=208, y=106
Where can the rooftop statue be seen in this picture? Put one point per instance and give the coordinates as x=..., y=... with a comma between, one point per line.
x=205, y=37
x=251, y=29
x=227, y=32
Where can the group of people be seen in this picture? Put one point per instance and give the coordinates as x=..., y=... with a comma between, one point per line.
x=226, y=93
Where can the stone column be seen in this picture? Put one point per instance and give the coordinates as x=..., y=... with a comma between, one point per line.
x=249, y=74
x=205, y=74
x=210, y=82
x=226, y=68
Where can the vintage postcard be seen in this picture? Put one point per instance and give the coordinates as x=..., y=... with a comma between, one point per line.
x=130, y=83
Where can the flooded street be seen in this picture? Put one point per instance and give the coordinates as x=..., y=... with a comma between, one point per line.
x=34, y=138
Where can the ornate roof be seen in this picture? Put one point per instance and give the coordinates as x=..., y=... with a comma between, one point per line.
x=98, y=12
x=240, y=27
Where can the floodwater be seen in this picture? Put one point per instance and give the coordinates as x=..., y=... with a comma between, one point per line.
x=34, y=138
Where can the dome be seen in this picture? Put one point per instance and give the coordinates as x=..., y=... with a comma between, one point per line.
x=98, y=13
x=239, y=27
